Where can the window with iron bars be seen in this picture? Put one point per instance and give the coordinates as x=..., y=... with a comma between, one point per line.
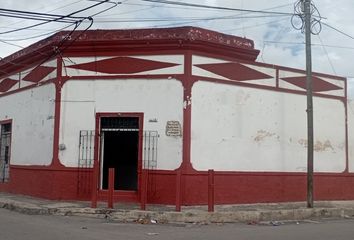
x=5, y=151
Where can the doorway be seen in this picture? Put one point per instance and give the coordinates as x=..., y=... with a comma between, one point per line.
x=120, y=150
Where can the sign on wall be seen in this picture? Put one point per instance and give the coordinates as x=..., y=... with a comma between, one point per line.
x=173, y=129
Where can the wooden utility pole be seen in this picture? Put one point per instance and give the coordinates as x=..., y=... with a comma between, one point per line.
x=307, y=12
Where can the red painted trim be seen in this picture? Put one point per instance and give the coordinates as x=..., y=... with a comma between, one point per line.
x=96, y=164
x=187, y=82
x=7, y=83
x=284, y=90
x=124, y=77
x=230, y=187
x=267, y=65
x=6, y=121
x=119, y=196
x=124, y=52
x=144, y=188
x=346, y=127
x=110, y=187
x=211, y=190
x=178, y=190
x=27, y=87
x=57, y=115
x=277, y=78
x=192, y=79
x=122, y=65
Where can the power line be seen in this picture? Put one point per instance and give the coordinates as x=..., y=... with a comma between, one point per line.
x=102, y=20
x=328, y=58
x=61, y=46
x=255, y=25
x=238, y=15
x=214, y=7
x=312, y=44
x=48, y=11
x=39, y=35
x=337, y=30
x=54, y=17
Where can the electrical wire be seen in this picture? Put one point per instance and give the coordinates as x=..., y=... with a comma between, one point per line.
x=312, y=44
x=56, y=18
x=328, y=58
x=238, y=15
x=214, y=7
x=61, y=7
x=61, y=45
x=337, y=30
x=100, y=20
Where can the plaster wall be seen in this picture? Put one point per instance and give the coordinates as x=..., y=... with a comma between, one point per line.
x=32, y=114
x=159, y=100
x=237, y=128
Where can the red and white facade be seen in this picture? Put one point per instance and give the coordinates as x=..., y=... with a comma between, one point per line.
x=202, y=93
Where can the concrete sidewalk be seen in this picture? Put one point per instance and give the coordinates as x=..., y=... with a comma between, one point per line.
x=250, y=213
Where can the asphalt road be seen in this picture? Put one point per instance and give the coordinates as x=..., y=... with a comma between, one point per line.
x=16, y=226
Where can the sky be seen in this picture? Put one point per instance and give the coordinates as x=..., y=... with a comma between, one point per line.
x=274, y=35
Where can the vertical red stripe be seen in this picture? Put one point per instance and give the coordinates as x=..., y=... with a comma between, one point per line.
x=110, y=187
x=95, y=180
x=144, y=187
x=187, y=82
x=178, y=190
x=346, y=127
x=211, y=185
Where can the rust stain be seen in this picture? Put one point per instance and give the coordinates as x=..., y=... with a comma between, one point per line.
x=322, y=146
x=303, y=142
x=318, y=146
x=262, y=134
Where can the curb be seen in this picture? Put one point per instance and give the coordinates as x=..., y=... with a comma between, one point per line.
x=188, y=216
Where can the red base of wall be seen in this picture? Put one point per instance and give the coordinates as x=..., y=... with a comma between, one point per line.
x=230, y=187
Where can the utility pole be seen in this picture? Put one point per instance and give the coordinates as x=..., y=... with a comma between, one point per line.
x=309, y=110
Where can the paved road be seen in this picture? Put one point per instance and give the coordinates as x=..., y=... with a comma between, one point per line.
x=16, y=226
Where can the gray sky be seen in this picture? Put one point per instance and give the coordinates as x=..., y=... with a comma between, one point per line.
x=279, y=42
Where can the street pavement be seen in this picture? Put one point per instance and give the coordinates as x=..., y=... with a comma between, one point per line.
x=18, y=226
x=123, y=212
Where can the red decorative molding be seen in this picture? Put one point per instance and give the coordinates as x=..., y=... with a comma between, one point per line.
x=319, y=85
x=234, y=71
x=109, y=42
x=7, y=84
x=122, y=65
x=38, y=74
x=178, y=33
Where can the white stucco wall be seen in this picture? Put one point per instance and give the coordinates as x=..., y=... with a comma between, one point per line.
x=351, y=135
x=32, y=114
x=244, y=129
x=157, y=99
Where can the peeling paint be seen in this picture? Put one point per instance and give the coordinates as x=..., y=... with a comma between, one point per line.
x=187, y=102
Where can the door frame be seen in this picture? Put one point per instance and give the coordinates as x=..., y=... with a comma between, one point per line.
x=97, y=150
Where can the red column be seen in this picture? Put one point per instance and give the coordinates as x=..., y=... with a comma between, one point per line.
x=178, y=190
x=210, y=190
x=110, y=187
x=144, y=191
x=95, y=173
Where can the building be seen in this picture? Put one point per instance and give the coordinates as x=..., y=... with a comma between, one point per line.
x=176, y=102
